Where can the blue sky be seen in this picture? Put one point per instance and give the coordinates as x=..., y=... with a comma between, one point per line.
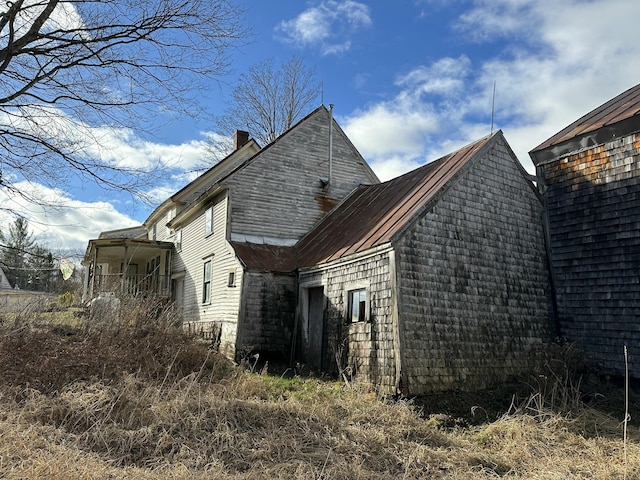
x=411, y=80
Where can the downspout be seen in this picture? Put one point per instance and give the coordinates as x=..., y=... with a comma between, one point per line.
x=546, y=227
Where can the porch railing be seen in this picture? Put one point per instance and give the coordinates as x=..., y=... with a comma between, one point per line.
x=127, y=284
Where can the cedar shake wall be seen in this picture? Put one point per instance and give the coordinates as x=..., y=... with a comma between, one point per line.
x=593, y=202
x=366, y=349
x=473, y=282
x=267, y=314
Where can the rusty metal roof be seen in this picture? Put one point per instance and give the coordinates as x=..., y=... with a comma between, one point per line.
x=622, y=107
x=261, y=257
x=373, y=214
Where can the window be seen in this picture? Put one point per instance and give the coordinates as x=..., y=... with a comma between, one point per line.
x=232, y=278
x=170, y=214
x=357, y=305
x=206, y=282
x=178, y=240
x=208, y=221
x=154, y=231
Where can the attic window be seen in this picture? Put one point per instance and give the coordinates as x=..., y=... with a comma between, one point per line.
x=232, y=278
x=357, y=305
x=208, y=221
x=178, y=240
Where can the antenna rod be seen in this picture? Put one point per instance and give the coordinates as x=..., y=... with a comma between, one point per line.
x=330, y=141
x=493, y=105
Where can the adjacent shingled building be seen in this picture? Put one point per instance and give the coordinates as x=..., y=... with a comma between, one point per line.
x=435, y=280
x=590, y=176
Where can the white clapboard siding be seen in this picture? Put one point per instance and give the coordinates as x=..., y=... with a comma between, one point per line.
x=279, y=195
x=222, y=311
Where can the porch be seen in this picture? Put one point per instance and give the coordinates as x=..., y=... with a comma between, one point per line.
x=127, y=266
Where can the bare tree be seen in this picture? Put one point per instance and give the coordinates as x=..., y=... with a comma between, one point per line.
x=268, y=100
x=74, y=72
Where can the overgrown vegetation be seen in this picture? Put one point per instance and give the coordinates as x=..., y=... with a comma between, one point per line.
x=137, y=398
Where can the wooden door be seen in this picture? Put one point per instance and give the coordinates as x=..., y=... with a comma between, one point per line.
x=315, y=317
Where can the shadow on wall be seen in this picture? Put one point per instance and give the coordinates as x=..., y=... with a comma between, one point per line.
x=593, y=202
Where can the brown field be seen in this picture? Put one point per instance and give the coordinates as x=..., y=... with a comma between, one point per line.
x=140, y=400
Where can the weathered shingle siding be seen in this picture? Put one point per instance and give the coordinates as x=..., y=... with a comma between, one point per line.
x=220, y=316
x=279, y=194
x=473, y=281
x=366, y=349
x=593, y=201
x=267, y=314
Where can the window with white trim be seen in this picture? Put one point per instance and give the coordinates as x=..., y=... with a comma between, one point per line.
x=178, y=240
x=232, y=278
x=206, y=282
x=357, y=305
x=170, y=214
x=208, y=221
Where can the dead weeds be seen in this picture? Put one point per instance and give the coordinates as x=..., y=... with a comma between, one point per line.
x=141, y=400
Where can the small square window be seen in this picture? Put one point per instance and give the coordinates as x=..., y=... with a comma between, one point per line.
x=357, y=305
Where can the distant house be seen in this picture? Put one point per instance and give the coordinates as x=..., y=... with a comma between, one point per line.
x=4, y=282
x=435, y=280
x=590, y=176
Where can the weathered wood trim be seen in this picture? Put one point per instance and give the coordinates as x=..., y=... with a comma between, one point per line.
x=350, y=259
x=395, y=320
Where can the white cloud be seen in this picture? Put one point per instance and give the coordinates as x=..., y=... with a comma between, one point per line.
x=114, y=146
x=66, y=224
x=329, y=25
x=445, y=76
x=559, y=61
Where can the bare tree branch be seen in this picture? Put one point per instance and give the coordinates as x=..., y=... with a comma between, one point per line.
x=70, y=66
x=268, y=100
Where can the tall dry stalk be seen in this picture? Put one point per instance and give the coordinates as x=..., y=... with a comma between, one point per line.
x=626, y=409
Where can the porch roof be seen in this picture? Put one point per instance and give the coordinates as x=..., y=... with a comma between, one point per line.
x=113, y=246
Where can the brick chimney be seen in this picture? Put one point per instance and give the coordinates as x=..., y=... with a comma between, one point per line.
x=240, y=138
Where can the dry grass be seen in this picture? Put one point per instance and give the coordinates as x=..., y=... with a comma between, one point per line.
x=175, y=410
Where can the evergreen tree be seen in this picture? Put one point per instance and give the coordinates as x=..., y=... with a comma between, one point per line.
x=27, y=265
x=17, y=244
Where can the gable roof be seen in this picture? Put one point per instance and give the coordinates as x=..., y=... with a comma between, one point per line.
x=191, y=191
x=374, y=214
x=335, y=125
x=215, y=188
x=617, y=117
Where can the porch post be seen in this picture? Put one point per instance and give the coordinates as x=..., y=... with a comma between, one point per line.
x=93, y=277
x=124, y=269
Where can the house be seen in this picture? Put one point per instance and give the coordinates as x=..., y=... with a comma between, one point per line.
x=204, y=245
x=435, y=280
x=590, y=176
x=4, y=281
